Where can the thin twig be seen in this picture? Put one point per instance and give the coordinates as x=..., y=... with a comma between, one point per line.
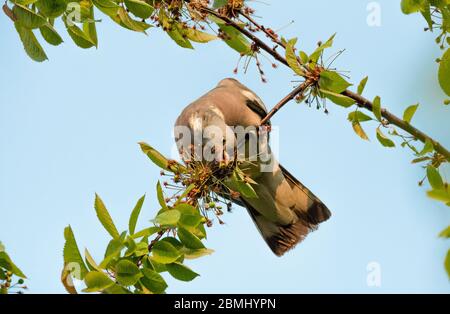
x=297, y=91
x=360, y=100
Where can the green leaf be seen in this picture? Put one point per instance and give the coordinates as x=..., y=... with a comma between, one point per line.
x=105, y=218
x=51, y=8
x=135, y=214
x=145, y=232
x=127, y=273
x=108, y=7
x=291, y=59
x=428, y=147
x=27, y=18
x=377, y=108
x=181, y=272
x=409, y=113
x=193, y=254
x=97, y=281
x=358, y=116
x=50, y=35
x=198, y=36
x=139, y=8
x=435, y=178
x=412, y=6
x=72, y=255
x=79, y=37
x=362, y=85
x=385, y=141
x=444, y=72
x=127, y=22
x=165, y=253
x=332, y=81
x=7, y=264
x=189, y=240
x=153, y=281
x=92, y=265
x=31, y=45
x=235, y=39
x=168, y=218
x=359, y=130
x=445, y=233
x=316, y=54
x=2, y=247
x=338, y=99
x=440, y=195
x=158, y=159
x=89, y=27
x=219, y=3
x=160, y=196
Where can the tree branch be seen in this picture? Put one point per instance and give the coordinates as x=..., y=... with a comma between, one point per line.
x=298, y=90
x=360, y=100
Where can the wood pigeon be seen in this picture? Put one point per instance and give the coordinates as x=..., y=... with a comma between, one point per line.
x=284, y=211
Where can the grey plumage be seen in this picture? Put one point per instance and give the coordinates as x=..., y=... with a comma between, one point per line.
x=285, y=211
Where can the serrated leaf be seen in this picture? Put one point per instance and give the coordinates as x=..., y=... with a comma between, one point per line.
x=435, y=178
x=181, y=272
x=168, y=218
x=332, y=81
x=159, y=160
x=28, y=18
x=97, y=281
x=7, y=264
x=127, y=273
x=165, y=253
x=135, y=215
x=72, y=255
x=51, y=8
x=79, y=37
x=31, y=45
x=362, y=85
x=153, y=281
x=105, y=218
x=385, y=141
x=139, y=8
x=189, y=240
x=338, y=99
x=409, y=113
x=198, y=36
x=92, y=265
x=108, y=7
x=291, y=59
x=127, y=22
x=50, y=35
x=193, y=254
x=235, y=39
x=377, y=108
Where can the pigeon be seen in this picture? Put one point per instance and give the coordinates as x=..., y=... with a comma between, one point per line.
x=284, y=211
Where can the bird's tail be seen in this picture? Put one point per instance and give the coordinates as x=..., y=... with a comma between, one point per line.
x=283, y=238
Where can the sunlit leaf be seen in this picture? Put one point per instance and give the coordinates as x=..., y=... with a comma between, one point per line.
x=31, y=45
x=409, y=113
x=105, y=218
x=362, y=85
x=435, y=178
x=181, y=272
x=385, y=141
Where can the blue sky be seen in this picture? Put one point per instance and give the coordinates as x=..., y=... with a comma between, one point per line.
x=69, y=127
